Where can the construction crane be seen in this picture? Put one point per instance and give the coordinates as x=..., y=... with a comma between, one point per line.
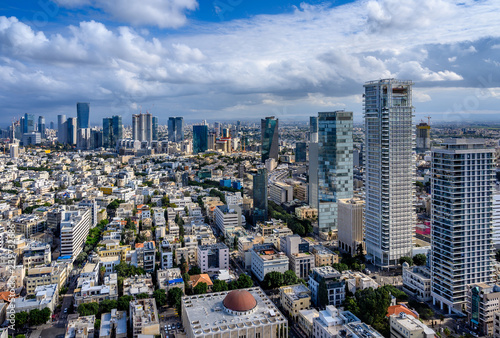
x=428, y=120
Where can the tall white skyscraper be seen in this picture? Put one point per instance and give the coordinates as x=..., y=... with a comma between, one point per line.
x=389, y=171
x=335, y=165
x=142, y=127
x=496, y=217
x=463, y=174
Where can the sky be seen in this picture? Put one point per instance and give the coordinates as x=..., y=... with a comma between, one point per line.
x=245, y=59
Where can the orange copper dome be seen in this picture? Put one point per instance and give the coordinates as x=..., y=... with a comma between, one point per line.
x=239, y=300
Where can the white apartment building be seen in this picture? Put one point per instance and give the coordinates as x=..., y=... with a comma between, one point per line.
x=75, y=226
x=496, y=217
x=36, y=253
x=166, y=255
x=280, y=192
x=462, y=203
x=233, y=198
x=265, y=259
x=227, y=217
x=389, y=171
x=417, y=282
x=213, y=257
x=144, y=317
x=405, y=326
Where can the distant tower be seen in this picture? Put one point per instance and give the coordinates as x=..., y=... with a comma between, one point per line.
x=423, y=138
x=175, y=129
x=155, y=128
x=389, y=171
x=260, y=196
x=29, y=123
x=269, y=138
x=83, y=115
x=200, y=138
x=335, y=165
x=112, y=131
x=463, y=176
x=71, y=130
x=62, y=129
x=300, y=152
x=142, y=127
x=41, y=126
x=313, y=129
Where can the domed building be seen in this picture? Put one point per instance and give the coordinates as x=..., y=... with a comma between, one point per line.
x=240, y=313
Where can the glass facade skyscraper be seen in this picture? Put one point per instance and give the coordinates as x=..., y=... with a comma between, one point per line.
x=155, y=128
x=313, y=129
x=71, y=130
x=112, y=131
x=269, y=138
x=200, y=138
x=260, y=196
x=82, y=115
x=389, y=171
x=41, y=126
x=462, y=181
x=62, y=129
x=175, y=129
x=28, y=123
x=335, y=165
x=300, y=152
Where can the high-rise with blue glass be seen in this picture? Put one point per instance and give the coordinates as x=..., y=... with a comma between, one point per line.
x=300, y=152
x=269, y=138
x=200, y=138
x=112, y=131
x=28, y=123
x=335, y=165
x=41, y=126
x=155, y=128
x=260, y=196
x=175, y=129
x=82, y=115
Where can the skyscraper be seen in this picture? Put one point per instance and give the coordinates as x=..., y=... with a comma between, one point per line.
x=112, y=131
x=423, y=137
x=142, y=127
x=41, y=126
x=269, y=138
x=155, y=128
x=389, y=171
x=71, y=130
x=200, y=138
x=29, y=123
x=300, y=152
x=82, y=115
x=62, y=129
x=175, y=129
x=335, y=165
x=260, y=196
x=463, y=172
x=313, y=129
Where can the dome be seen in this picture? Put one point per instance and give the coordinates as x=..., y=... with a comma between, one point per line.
x=239, y=301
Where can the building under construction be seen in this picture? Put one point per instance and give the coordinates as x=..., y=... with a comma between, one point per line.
x=423, y=137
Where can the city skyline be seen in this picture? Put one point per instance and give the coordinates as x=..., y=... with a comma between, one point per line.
x=252, y=60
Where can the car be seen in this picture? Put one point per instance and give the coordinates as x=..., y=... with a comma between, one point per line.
x=66, y=310
x=178, y=325
x=169, y=327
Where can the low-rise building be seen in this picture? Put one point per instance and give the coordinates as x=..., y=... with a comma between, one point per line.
x=306, y=212
x=90, y=292
x=135, y=285
x=213, y=257
x=170, y=278
x=327, y=286
x=417, y=282
x=324, y=256
x=45, y=296
x=280, y=192
x=113, y=324
x=80, y=327
x=265, y=259
x=166, y=255
x=228, y=217
x=483, y=301
x=113, y=248
x=56, y=274
x=405, y=326
x=36, y=253
x=305, y=320
x=302, y=264
x=331, y=322
x=144, y=317
x=294, y=298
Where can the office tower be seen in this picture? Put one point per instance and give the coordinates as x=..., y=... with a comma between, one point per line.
x=175, y=129
x=14, y=150
x=217, y=127
x=155, y=128
x=200, y=138
x=260, y=196
x=31, y=138
x=83, y=138
x=269, y=138
x=335, y=165
x=423, y=138
x=389, y=171
x=238, y=125
x=62, y=129
x=142, y=127
x=462, y=172
x=225, y=133
x=313, y=129
x=28, y=123
x=350, y=224
x=41, y=126
x=82, y=115
x=112, y=131
x=211, y=141
x=52, y=125
x=96, y=138
x=71, y=129
x=300, y=152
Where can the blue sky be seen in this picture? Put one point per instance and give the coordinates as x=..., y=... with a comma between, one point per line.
x=242, y=59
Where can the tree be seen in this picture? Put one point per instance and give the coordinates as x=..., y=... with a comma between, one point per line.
x=289, y=278
x=272, y=280
x=174, y=296
x=200, y=288
x=88, y=309
x=400, y=295
x=371, y=306
x=126, y=270
x=142, y=295
x=195, y=270
x=160, y=297
x=340, y=267
x=107, y=305
x=123, y=302
x=21, y=319
x=219, y=285
x=419, y=259
x=38, y=317
x=20, y=336
x=97, y=324
x=244, y=281
x=408, y=260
